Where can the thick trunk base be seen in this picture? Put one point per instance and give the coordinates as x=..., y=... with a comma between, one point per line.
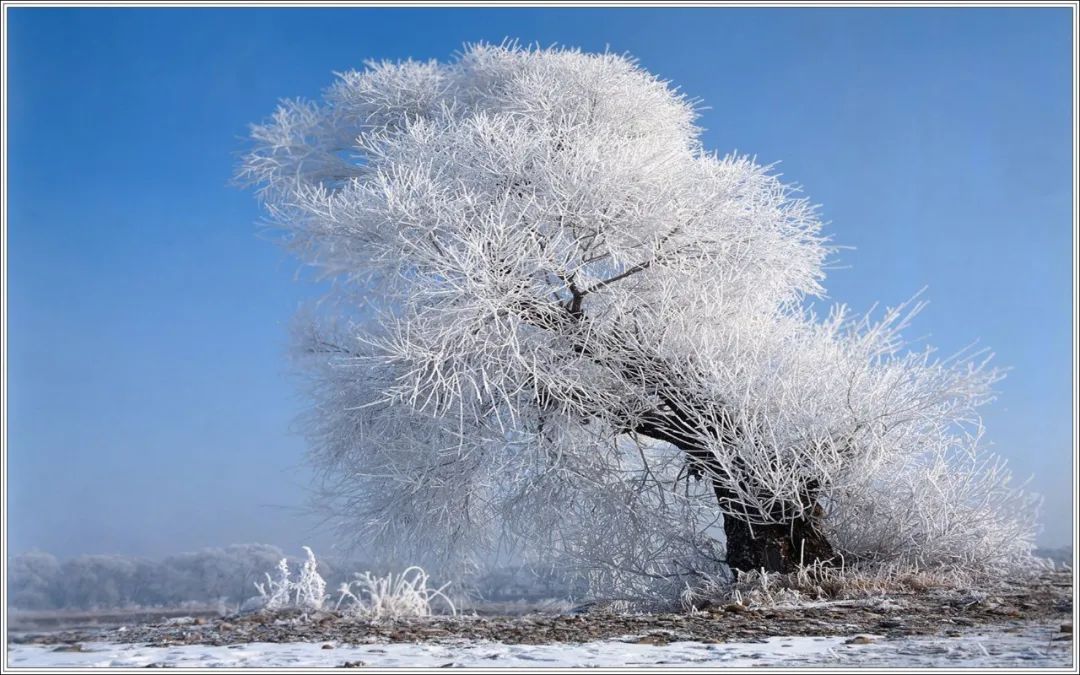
x=774, y=548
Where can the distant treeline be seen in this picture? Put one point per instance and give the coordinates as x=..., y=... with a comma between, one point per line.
x=1061, y=555
x=38, y=581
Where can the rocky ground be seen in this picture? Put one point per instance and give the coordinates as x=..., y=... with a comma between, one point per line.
x=1044, y=603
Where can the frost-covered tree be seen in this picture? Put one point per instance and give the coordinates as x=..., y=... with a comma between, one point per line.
x=98, y=581
x=38, y=581
x=31, y=580
x=564, y=327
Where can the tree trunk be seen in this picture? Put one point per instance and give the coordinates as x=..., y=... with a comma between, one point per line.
x=774, y=548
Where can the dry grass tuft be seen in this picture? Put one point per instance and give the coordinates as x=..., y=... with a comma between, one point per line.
x=829, y=584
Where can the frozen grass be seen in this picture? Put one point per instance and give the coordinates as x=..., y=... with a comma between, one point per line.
x=405, y=595
x=817, y=583
x=391, y=597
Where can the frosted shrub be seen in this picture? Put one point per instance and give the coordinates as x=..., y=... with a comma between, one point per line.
x=308, y=591
x=310, y=587
x=391, y=597
x=562, y=327
x=276, y=593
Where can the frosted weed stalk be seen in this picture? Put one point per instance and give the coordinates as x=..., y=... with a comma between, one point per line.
x=307, y=592
x=275, y=593
x=391, y=597
x=368, y=597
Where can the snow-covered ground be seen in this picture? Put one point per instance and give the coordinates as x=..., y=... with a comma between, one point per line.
x=476, y=654
x=1033, y=647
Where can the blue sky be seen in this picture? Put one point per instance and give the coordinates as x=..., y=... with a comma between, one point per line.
x=150, y=405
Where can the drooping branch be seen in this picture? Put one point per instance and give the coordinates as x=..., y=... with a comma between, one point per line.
x=674, y=421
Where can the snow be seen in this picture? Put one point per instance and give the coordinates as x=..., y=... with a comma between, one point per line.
x=1032, y=647
x=469, y=654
